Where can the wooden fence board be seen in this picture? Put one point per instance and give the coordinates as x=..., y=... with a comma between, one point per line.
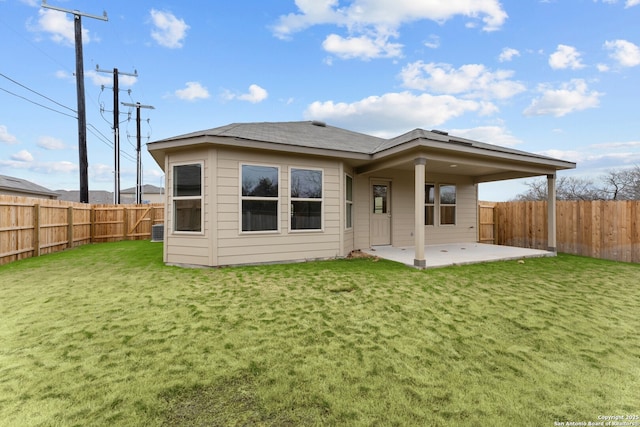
x=597, y=229
x=32, y=227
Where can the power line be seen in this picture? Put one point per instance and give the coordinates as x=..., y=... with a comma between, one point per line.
x=37, y=93
x=105, y=140
x=38, y=104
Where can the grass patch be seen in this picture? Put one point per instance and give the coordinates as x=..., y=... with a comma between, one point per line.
x=107, y=335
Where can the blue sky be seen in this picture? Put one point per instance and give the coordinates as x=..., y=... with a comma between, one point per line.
x=555, y=77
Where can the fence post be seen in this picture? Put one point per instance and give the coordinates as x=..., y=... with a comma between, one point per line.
x=36, y=229
x=70, y=227
x=93, y=224
x=125, y=223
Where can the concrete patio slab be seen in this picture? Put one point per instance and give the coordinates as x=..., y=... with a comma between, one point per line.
x=456, y=254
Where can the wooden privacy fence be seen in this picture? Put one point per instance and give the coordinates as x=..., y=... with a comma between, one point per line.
x=597, y=229
x=33, y=227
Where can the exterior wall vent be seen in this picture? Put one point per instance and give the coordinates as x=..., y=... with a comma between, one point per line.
x=157, y=233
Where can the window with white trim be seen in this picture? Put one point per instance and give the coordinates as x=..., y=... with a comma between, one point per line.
x=447, y=204
x=187, y=197
x=348, y=195
x=259, y=198
x=429, y=204
x=306, y=199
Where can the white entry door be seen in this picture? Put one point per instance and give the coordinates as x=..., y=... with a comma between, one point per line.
x=380, y=213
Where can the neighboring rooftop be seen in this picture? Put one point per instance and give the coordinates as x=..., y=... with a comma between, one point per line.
x=21, y=187
x=146, y=189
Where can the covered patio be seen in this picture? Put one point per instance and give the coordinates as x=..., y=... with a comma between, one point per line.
x=456, y=254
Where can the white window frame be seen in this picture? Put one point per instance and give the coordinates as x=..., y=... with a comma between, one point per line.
x=441, y=205
x=175, y=198
x=348, y=203
x=298, y=199
x=241, y=198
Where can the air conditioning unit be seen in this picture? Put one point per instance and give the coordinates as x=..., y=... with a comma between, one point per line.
x=157, y=233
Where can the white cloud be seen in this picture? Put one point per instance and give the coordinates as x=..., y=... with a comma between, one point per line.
x=565, y=57
x=100, y=172
x=603, y=68
x=570, y=97
x=377, y=18
x=433, y=42
x=6, y=137
x=362, y=47
x=497, y=135
x=471, y=80
x=64, y=75
x=508, y=54
x=60, y=26
x=614, y=145
x=51, y=143
x=64, y=167
x=594, y=159
x=22, y=156
x=628, y=3
x=626, y=53
x=192, y=92
x=392, y=113
x=168, y=31
x=255, y=95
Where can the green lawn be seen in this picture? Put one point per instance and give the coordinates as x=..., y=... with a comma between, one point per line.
x=107, y=335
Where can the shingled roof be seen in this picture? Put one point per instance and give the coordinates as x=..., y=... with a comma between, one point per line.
x=310, y=134
x=321, y=139
x=11, y=185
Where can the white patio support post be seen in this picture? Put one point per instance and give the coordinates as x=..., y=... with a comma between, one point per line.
x=419, y=174
x=551, y=213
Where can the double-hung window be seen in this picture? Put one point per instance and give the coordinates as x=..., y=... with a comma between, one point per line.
x=187, y=197
x=348, y=195
x=260, y=198
x=306, y=199
x=447, y=204
x=429, y=204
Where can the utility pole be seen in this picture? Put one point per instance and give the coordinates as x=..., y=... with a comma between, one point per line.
x=138, y=106
x=82, y=114
x=116, y=129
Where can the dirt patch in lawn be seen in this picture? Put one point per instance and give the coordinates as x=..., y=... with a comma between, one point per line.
x=359, y=254
x=231, y=401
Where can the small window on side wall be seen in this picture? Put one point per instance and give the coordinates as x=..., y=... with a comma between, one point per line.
x=187, y=198
x=447, y=204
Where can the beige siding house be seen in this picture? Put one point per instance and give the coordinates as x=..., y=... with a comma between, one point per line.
x=250, y=193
